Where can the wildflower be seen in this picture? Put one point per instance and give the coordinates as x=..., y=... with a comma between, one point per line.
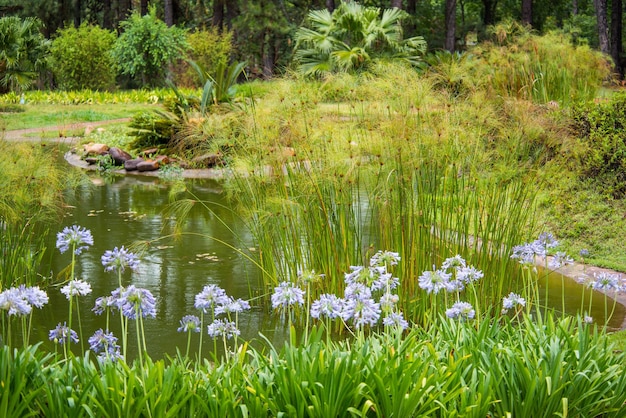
x=547, y=240
x=189, y=323
x=588, y=320
x=357, y=291
x=388, y=301
x=384, y=258
x=468, y=274
x=365, y=275
x=361, y=311
x=62, y=333
x=327, y=305
x=14, y=302
x=286, y=294
x=102, y=304
x=308, y=276
x=559, y=260
x=76, y=288
x=606, y=281
x=209, y=297
x=455, y=262
x=104, y=344
x=385, y=282
x=512, y=301
x=526, y=253
x=77, y=237
x=221, y=327
x=231, y=305
x=434, y=281
x=461, y=310
x=454, y=286
x=34, y=295
x=135, y=301
x=395, y=319
x=584, y=252
x=119, y=259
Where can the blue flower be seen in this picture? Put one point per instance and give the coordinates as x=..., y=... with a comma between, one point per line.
x=135, y=301
x=210, y=296
x=434, y=281
x=559, y=260
x=327, y=305
x=461, y=310
x=189, y=323
x=76, y=237
x=606, y=281
x=76, y=288
x=14, y=301
x=62, y=333
x=287, y=294
x=455, y=262
x=395, y=319
x=221, y=327
x=511, y=301
x=231, y=305
x=357, y=291
x=469, y=274
x=34, y=295
x=384, y=258
x=104, y=344
x=119, y=259
x=361, y=311
x=102, y=304
x=388, y=301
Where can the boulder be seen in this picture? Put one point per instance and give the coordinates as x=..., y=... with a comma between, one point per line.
x=119, y=156
x=148, y=165
x=95, y=149
x=91, y=160
x=208, y=160
x=131, y=165
x=162, y=159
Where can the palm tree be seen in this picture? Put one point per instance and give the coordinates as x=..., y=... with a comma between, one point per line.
x=351, y=37
x=23, y=52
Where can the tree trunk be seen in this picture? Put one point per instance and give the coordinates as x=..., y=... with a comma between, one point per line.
x=616, y=36
x=169, y=12
x=143, y=7
x=124, y=8
x=396, y=3
x=527, y=12
x=330, y=5
x=450, y=25
x=218, y=14
x=231, y=13
x=489, y=12
x=411, y=9
x=574, y=7
x=77, y=7
x=107, y=21
x=603, y=28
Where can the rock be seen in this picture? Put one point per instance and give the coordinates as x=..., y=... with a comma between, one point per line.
x=148, y=165
x=208, y=160
x=131, y=165
x=91, y=160
x=120, y=157
x=162, y=159
x=149, y=151
x=95, y=149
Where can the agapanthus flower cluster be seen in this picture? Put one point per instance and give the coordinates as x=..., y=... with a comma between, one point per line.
x=513, y=300
x=76, y=288
x=75, y=237
x=210, y=297
x=606, y=282
x=189, y=323
x=214, y=299
x=19, y=301
x=453, y=276
x=461, y=310
x=559, y=260
x=62, y=333
x=223, y=328
x=118, y=259
x=135, y=301
x=105, y=345
x=527, y=252
x=384, y=259
x=287, y=294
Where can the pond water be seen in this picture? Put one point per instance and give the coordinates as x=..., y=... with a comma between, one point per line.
x=122, y=210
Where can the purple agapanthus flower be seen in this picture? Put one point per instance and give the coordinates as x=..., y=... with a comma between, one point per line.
x=384, y=258
x=395, y=319
x=388, y=301
x=231, y=305
x=118, y=259
x=357, y=291
x=105, y=345
x=102, y=304
x=76, y=237
x=434, y=281
x=511, y=301
x=135, y=301
x=461, y=310
x=328, y=305
x=62, y=333
x=222, y=327
x=361, y=312
x=14, y=301
x=35, y=296
x=606, y=281
x=210, y=296
x=76, y=288
x=287, y=294
x=455, y=262
x=189, y=323
x=559, y=260
x=469, y=274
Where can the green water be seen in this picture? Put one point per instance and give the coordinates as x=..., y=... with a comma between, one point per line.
x=127, y=209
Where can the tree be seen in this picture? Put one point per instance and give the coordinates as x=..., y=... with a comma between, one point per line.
x=147, y=46
x=352, y=37
x=23, y=52
x=450, y=25
x=603, y=27
x=169, y=12
x=616, y=35
x=527, y=12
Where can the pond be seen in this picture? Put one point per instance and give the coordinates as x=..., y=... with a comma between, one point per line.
x=125, y=209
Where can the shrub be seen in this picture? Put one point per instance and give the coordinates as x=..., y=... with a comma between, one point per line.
x=147, y=46
x=82, y=58
x=209, y=49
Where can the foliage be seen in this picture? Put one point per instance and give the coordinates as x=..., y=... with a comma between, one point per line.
x=90, y=97
x=208, y=48
x=82, y=58
x=219, y=86
x=147, y=46
x=540, y=68
x=23, y=53
x=351, y=38
x=601, y=131
x=150, y=129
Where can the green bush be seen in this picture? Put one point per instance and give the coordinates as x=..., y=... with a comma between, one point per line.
x=82, y=58
x=209, y=49
x=600, y=127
